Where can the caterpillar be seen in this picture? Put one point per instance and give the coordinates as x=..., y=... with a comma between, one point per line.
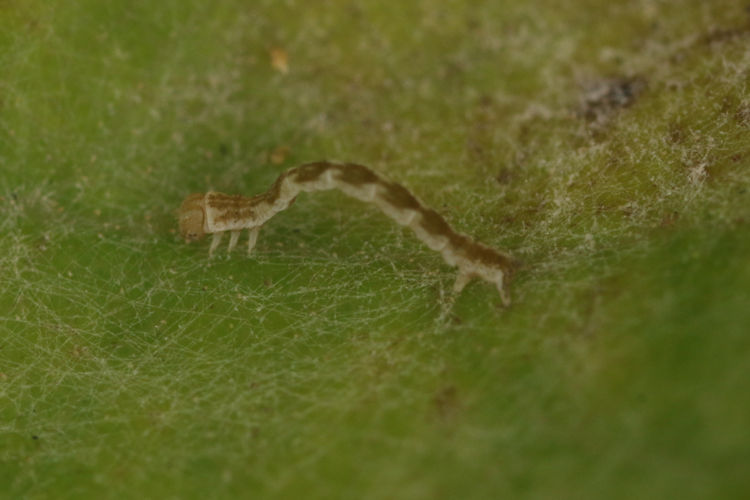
x=217, y=213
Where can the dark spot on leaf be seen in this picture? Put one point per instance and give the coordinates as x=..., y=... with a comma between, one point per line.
x=446, y=402
x=669, y=219
x=676, y=133
x=505, y=176
x=602, y=99
x=742, y=115
x=716, y=36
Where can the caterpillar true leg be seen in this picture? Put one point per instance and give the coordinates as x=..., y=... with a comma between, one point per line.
x=252, y=239
x=504, y=295
x=216, y=213
x=233, y=240
x=215, y=243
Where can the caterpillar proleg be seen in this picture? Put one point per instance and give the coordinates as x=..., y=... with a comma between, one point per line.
x=216, y=213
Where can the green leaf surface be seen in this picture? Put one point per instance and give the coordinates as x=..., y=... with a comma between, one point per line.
x=604, y=144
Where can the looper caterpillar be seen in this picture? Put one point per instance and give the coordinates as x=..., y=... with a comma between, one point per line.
x=216, y=213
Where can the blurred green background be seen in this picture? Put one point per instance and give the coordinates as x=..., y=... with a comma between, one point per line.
x=604, y=144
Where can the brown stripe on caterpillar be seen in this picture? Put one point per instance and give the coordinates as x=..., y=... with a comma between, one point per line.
x=229, y=208
x=357, y=175
x=310, y=171
x=399, y=197
x=216, y=213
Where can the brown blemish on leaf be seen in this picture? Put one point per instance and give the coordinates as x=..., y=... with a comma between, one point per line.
x=604, y=98
x=742, y=115
x=278, y=155
x=279, y=59
x=480, y=141
x=676, y=132
x=738, y=157
x=669, y=219
x=505, y=176
x=723, y=35
x=446, y=402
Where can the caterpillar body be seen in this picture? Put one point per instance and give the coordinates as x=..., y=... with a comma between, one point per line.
x=217, y=213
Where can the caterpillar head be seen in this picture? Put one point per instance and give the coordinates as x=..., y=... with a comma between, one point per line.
x=192, y=216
